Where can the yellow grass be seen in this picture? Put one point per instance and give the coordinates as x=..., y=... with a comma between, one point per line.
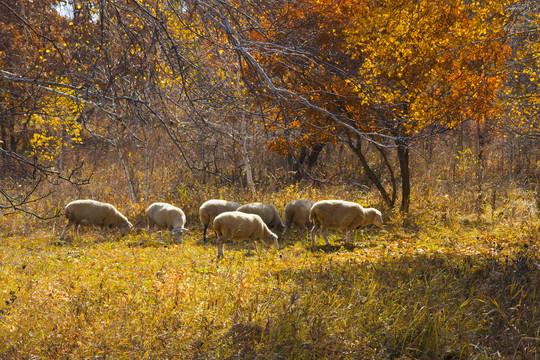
x=438, y=284
x=456, y=278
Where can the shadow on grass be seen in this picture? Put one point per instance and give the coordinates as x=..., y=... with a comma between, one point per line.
x=329, y=248
x=421, y=306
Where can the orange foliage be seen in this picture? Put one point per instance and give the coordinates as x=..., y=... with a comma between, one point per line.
x=384, y=66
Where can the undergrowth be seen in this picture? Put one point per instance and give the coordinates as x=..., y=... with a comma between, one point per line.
x=456, y=278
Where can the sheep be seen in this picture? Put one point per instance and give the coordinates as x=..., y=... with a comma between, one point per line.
x=166, y=216
x=91, y=212
x=338, y=214
x=268, y=213
x=242, y=226
x=297, y=213
x=212, y=208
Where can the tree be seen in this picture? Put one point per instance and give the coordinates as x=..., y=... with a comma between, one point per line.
x=35, y=118
x=381, y=72
x=352, y=72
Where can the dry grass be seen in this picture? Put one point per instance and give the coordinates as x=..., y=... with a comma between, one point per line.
x=457, y=278
x=447, y=282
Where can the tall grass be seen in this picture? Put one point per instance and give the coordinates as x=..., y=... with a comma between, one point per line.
x=456, y=278
x=434, y=285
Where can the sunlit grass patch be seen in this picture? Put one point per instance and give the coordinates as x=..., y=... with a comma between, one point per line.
x=427, y=285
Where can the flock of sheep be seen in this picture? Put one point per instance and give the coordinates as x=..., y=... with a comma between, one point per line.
x=229, y=220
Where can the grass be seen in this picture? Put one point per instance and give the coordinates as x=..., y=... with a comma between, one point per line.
x=439, y=284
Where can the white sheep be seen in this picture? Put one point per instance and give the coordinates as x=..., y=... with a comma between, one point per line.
x=91, y=212
x=167, y=216
x=212, y=208
x=297, y=213
x=338, y=214
x=268, y=213
x=241, y=226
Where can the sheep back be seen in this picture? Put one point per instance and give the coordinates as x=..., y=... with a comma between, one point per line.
x=91, y=212
x=212, y=208
x=268, y=213
x=166, y=216
x=243, y=226
x=337, y=214
x=297, y=212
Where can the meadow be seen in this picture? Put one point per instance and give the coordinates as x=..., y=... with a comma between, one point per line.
x=425, y=110
x=447, y=281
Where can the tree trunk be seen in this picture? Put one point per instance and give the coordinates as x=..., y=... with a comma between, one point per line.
x=147, y=165
x=403, y=156
x=384, y=157
x=245, y=157
x=247, y=168
x=314, y=155
x=357, y=148
x=296, y=164
x=129, y=184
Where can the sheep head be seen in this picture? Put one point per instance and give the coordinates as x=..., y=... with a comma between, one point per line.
x=125, y=227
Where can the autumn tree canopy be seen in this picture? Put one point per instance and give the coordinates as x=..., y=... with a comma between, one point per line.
x=369, y=74
x=386, y=72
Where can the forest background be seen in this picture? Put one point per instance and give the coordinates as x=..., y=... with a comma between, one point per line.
x=427, y=110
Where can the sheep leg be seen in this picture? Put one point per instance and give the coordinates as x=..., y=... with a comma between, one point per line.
x=219, y=244
x=324, y=231
x=204, y=232
x=104, y=229
x=66, y=228
x=150, y=226
x=76, y=229
x=314, y=234
x=287, y=232
x=349, y=235
x=255, y=244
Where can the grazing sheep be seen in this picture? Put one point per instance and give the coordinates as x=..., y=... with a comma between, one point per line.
x=337, y=214
x=268, y=213
x=241, y=226
x=297, y=213
x=91, y=212
x=166, y=216
x=212, y=208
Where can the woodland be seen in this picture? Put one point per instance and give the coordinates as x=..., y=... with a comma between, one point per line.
x=426, y=110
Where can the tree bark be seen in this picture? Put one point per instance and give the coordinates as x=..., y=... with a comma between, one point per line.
x=129, y=184
x=245, y=156
x=296, y=164
x=314, y=155
x=357, y=148
x=403, y=156
x=390, y=171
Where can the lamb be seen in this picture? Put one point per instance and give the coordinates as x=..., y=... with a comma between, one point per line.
x=91, y=212
x=297, y=213
x=338, y=214
x=212, y=208
x=167, y=216
x=268, y=213
x=242, y=226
